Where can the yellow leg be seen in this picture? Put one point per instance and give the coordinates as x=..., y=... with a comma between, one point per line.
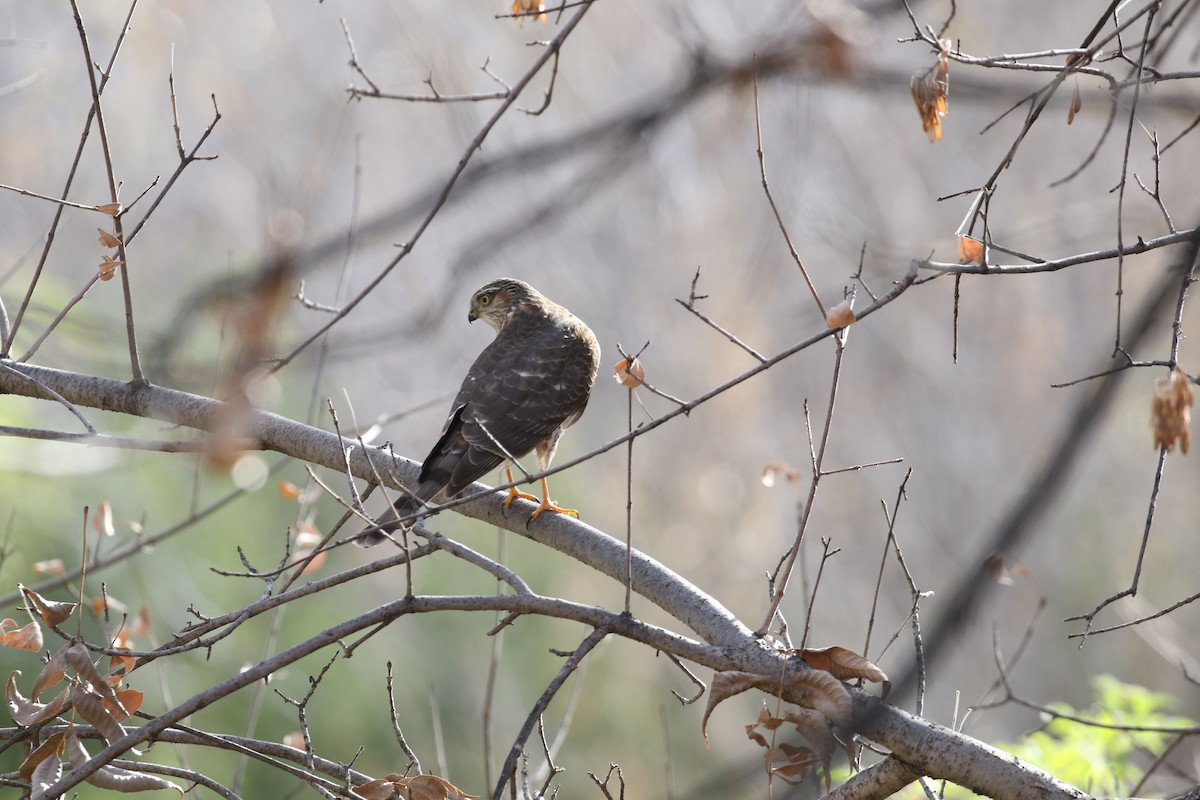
x=513, y=492
x=549, y=505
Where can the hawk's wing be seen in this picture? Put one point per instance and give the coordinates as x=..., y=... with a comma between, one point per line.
x=532, y=380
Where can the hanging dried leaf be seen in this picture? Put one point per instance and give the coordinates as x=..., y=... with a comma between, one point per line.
x=725, y=685
x=112, y=209
x=417, y=787
x=1171, y=411
x=844, y=664
x=524, y=6
x=27, y=638
x=115, y=778
x=785, y=760
x=47, y=772
x=108, y=268
x=78, y=659
x=629, y=375
x=970, y=250
x=53, y=566
x=1076, y=104
x=778, y=469
x=1003, y=568
x=930, y=90
x=123, y=663
x=141, y=623
x=52, y=672
x=289, y=490
x=52, y=611
x=840, y=316
x=29, y=712
x=821, y=691
x=107, y=239
x=91, y=708
x=103, y=521
x=294, y=740
x=51, y=748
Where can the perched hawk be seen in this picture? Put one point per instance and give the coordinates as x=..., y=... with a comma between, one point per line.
x=528, y=386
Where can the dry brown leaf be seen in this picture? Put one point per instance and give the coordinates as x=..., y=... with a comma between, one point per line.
x=78, y=658
x=53, y=566
x=52, y=672
x=776, y=469
x=29, y=712
x=107, y=239
x=840, y=316
x=725, y=685
x=821, y=691
x=115, y=778
x=294, y=740
x=52, y=611
x=378, y=789
x=930, y=90
x=108, y=268
x=521, y=6
x=418, y=787
x=52, y=746
x=1076, y=104
x=1171, y=411
x=141, y=623
x=46, y=773
x=91, y=708
x=629, y=375
x=970, y=250
x=844, y=664
x=289, y=490
x=103, y=521
x=112, y=209
x=27, y=638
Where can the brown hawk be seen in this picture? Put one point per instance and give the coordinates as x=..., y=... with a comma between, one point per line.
x=526, y=387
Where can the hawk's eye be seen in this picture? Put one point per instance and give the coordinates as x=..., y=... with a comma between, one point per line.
x=485, y=299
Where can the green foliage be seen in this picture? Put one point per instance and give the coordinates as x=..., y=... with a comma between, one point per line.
x=1101, y=761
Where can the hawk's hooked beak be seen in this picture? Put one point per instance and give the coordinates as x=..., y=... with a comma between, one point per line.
x=472, y=316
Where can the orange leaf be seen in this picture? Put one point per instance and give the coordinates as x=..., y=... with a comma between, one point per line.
x=970, y=250
x=103, y=521
x=289, y=490
x=629, y=375
x=107, y=239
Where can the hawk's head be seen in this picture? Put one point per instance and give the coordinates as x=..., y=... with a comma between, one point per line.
x=494, y=302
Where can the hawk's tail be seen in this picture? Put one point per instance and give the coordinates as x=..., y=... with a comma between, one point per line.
x=405, y=508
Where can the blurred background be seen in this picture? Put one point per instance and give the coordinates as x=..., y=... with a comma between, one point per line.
x=615, y=228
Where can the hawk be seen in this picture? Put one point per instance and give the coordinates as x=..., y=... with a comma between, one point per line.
x=526, y=387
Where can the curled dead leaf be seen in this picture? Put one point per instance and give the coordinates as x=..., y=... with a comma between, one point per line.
x=1171, y=411
x=526, y=6
x=840, y=316
x=107, y=239
x=52, y=612
x=112, y=209
x=115, y=778
x=629, y=375
x=821, y=691
x=727, y=684
x=103, y=521
x=1076, y=104
x=930, y=91
x=28, y=712
x=53, y=566
x=52, y=747
x=777, y=469
x=26, y=638
x=970, y=250
x=108, y=268
x=846, y=665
